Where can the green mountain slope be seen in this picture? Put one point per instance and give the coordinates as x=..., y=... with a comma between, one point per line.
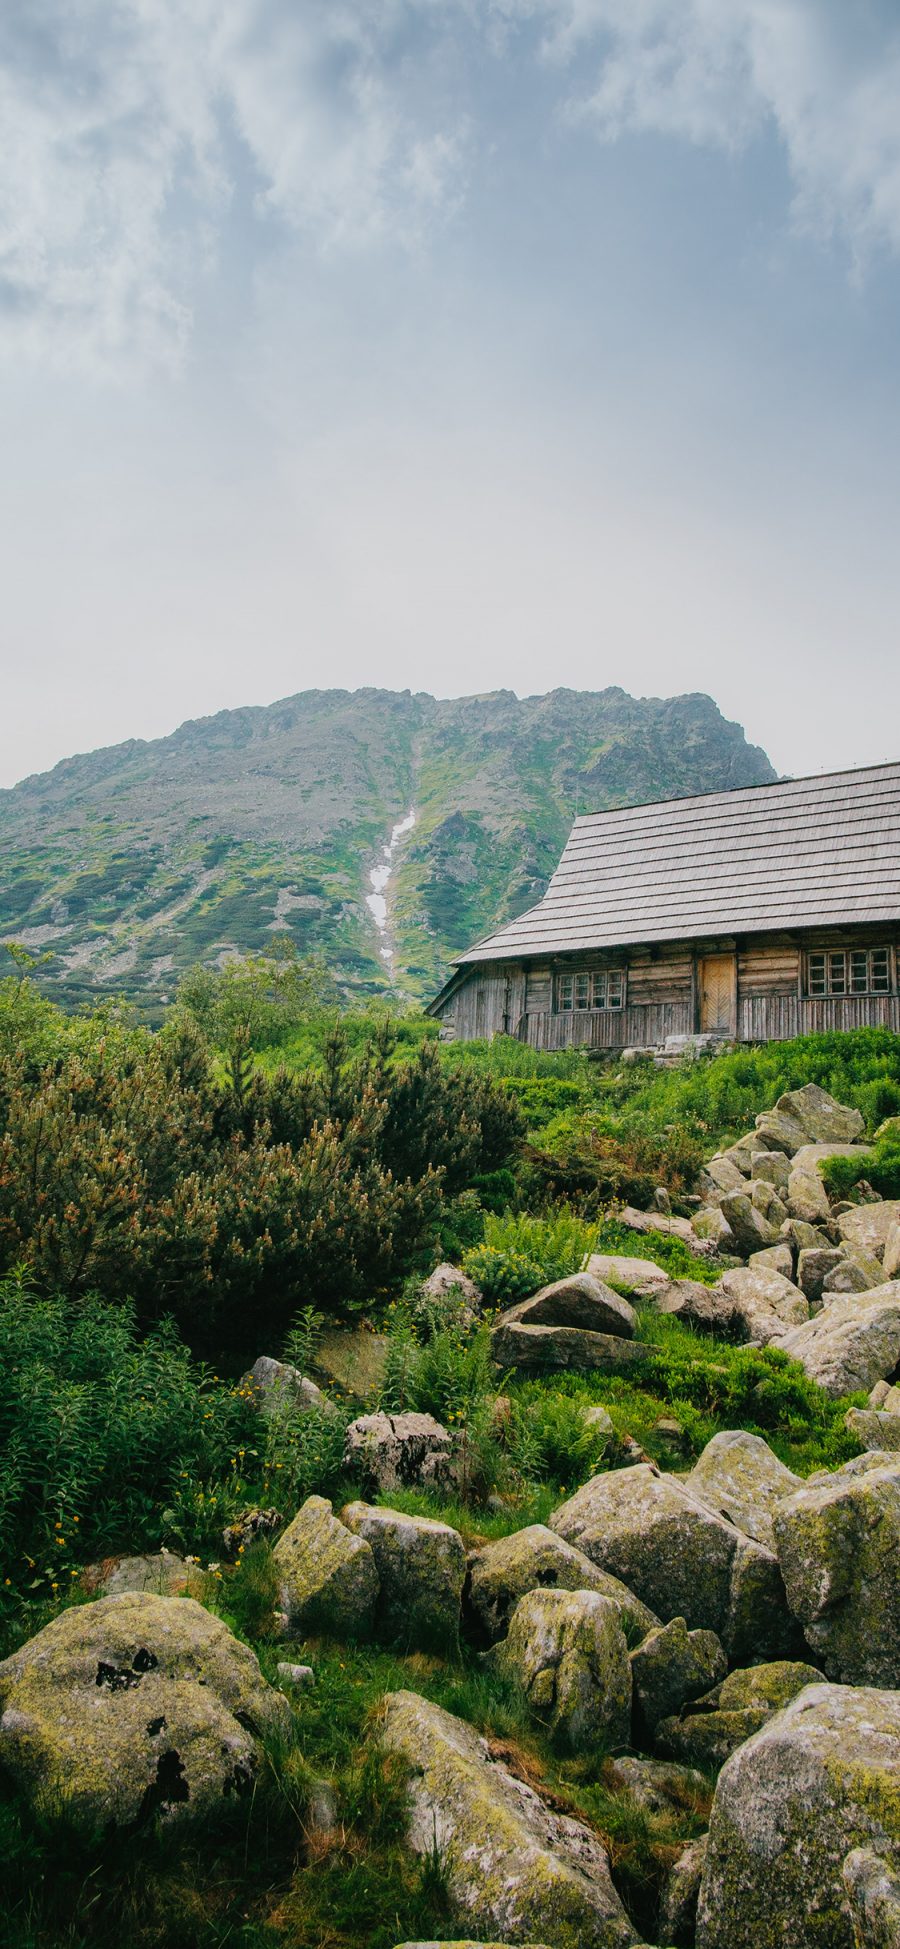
x=129, y=864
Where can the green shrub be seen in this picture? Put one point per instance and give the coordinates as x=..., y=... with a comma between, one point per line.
x=98, y=1428
x=549, y=1440
x=881, y=1170
x=127, y=1168
x=502, y=1276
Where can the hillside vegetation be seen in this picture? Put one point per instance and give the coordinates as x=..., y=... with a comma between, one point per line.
x=263, y=1176
x=128, y=865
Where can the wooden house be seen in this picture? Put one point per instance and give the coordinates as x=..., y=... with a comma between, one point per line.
x=756, y=914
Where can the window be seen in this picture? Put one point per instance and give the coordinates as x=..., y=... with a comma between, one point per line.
x=859, y=971
x=590, y=988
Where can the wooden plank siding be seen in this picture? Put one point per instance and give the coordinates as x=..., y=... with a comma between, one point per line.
x=661, y=997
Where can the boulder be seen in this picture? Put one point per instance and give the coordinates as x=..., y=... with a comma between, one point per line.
x=596, y=1416
x=658, y=1785
x=802, y=1237
x=765, y=1198
x=681, y=1558
x=680, y=1894
x=819, y=1118
x=447, y=1280
x=566, y=1651
x=657, y=1221
x=892, y=1253
x=421, y=1567
x=742, y=1153
x=397, y=1451
x=536, y=1559
x=722, y=1174
x=133, y=1707
x=581, y=1301
x=640, y=1277
x=765, y=1304
x=838, y=1541
x=852, y=1343
x=806, y=1194
x=813, y=1266
x=672, y=1666
x=273, y=1385
x=448, y=1297
x=707, y=1732
x=780, y=1132
x=739, y=1476
x=868, y=1227
x=874, y=1428
x=872, y=1887
x=542, y=1349
x=752, y=1232
x=855, y=1272
x=820, y=1780
x=890, y=1401
x=707, y=1307
x=515, y=1867
x=771, y=1165
x=163, y=1574
x=711, y=1224
x=774, y=1258
x=807, y=1197
x=327, y=1577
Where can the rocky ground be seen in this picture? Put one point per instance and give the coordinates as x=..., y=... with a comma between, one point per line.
x=720, y=1644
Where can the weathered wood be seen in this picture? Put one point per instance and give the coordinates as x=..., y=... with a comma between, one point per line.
x=765, y=875
x=660, y=1002
x=800, y=853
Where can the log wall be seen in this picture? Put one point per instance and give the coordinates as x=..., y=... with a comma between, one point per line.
x=662, y=993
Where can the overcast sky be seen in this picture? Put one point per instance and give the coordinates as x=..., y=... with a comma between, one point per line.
x=450, y=344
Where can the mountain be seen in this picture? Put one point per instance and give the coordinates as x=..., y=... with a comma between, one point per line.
x=130, y=863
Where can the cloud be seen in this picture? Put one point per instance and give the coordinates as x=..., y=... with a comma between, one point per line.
x=119, y=158
x=824, y=76
x=129, y=127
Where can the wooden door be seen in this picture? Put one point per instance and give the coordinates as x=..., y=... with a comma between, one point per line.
x=718, y=994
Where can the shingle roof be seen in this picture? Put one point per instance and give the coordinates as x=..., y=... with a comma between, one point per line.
x=798, y=853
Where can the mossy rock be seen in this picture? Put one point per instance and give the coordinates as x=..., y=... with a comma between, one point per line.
x=671, y=1667
x=821, y=1779
x=566, y=1651
x=740, y=1477
x=680, y=1557
x=709, y=1730
x=421, y=1567
x=838, y=1542
x=328, y=1580
x=535, y=1559
x=133, y=1707
x=516, y=1869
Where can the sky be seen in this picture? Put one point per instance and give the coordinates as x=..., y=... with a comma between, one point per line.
x=449, y=345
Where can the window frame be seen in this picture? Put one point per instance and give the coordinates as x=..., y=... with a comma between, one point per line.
x=590, y=991
x=835, y=974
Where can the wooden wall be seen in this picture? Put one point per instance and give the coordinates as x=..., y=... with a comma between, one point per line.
x=662, y=994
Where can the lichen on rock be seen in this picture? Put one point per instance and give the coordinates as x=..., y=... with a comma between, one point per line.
x=535, y=1559
x=820, y=1779
x=515, y=1867
x=567, y=1651
x=135, y=1707
x=327, y=1577
x=421, y=1567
